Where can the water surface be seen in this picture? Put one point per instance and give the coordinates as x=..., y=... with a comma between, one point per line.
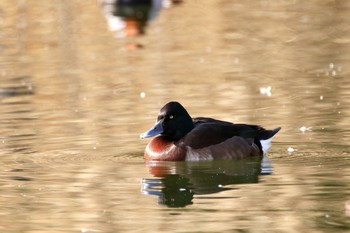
x=74, y=97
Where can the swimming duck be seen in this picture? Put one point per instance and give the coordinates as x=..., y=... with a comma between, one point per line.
x=181, y=137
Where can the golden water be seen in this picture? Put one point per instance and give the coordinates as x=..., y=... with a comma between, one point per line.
x=74, y=99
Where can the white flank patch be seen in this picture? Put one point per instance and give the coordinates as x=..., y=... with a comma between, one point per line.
x=198, y=154
x=266, y=144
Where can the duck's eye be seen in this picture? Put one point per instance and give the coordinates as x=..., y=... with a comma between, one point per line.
x=171, y=117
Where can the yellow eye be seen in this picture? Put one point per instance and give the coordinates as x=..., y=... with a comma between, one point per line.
x=171, y=117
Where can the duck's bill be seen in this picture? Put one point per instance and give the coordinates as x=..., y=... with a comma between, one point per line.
x=155, y=130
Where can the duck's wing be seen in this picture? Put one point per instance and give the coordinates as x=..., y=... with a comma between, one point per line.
x=212, y=133
x=208, y=132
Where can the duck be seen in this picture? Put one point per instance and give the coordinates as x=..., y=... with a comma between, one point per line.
x=179, y=137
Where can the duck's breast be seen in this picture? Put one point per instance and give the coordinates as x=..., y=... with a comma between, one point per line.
x=160, y=148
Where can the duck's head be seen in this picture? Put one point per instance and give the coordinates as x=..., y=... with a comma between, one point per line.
x=173, y=122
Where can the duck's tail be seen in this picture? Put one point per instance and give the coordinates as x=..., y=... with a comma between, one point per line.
x=265, y=138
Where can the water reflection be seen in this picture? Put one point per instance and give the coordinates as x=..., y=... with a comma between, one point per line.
x=71, y=112
x=17, y=87
x=176, y=183
x=16, y=115
x=129, y=18
x=347, y=208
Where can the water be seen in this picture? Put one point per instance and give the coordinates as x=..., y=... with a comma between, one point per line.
x=74, y=97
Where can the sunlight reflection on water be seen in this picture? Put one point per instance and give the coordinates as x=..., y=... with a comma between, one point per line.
x=74, y=99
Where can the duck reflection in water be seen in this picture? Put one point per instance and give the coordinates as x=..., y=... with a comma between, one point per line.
x=176, y=183
x=129, y=18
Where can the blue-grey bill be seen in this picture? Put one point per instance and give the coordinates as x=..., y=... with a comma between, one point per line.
x=155, y=130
